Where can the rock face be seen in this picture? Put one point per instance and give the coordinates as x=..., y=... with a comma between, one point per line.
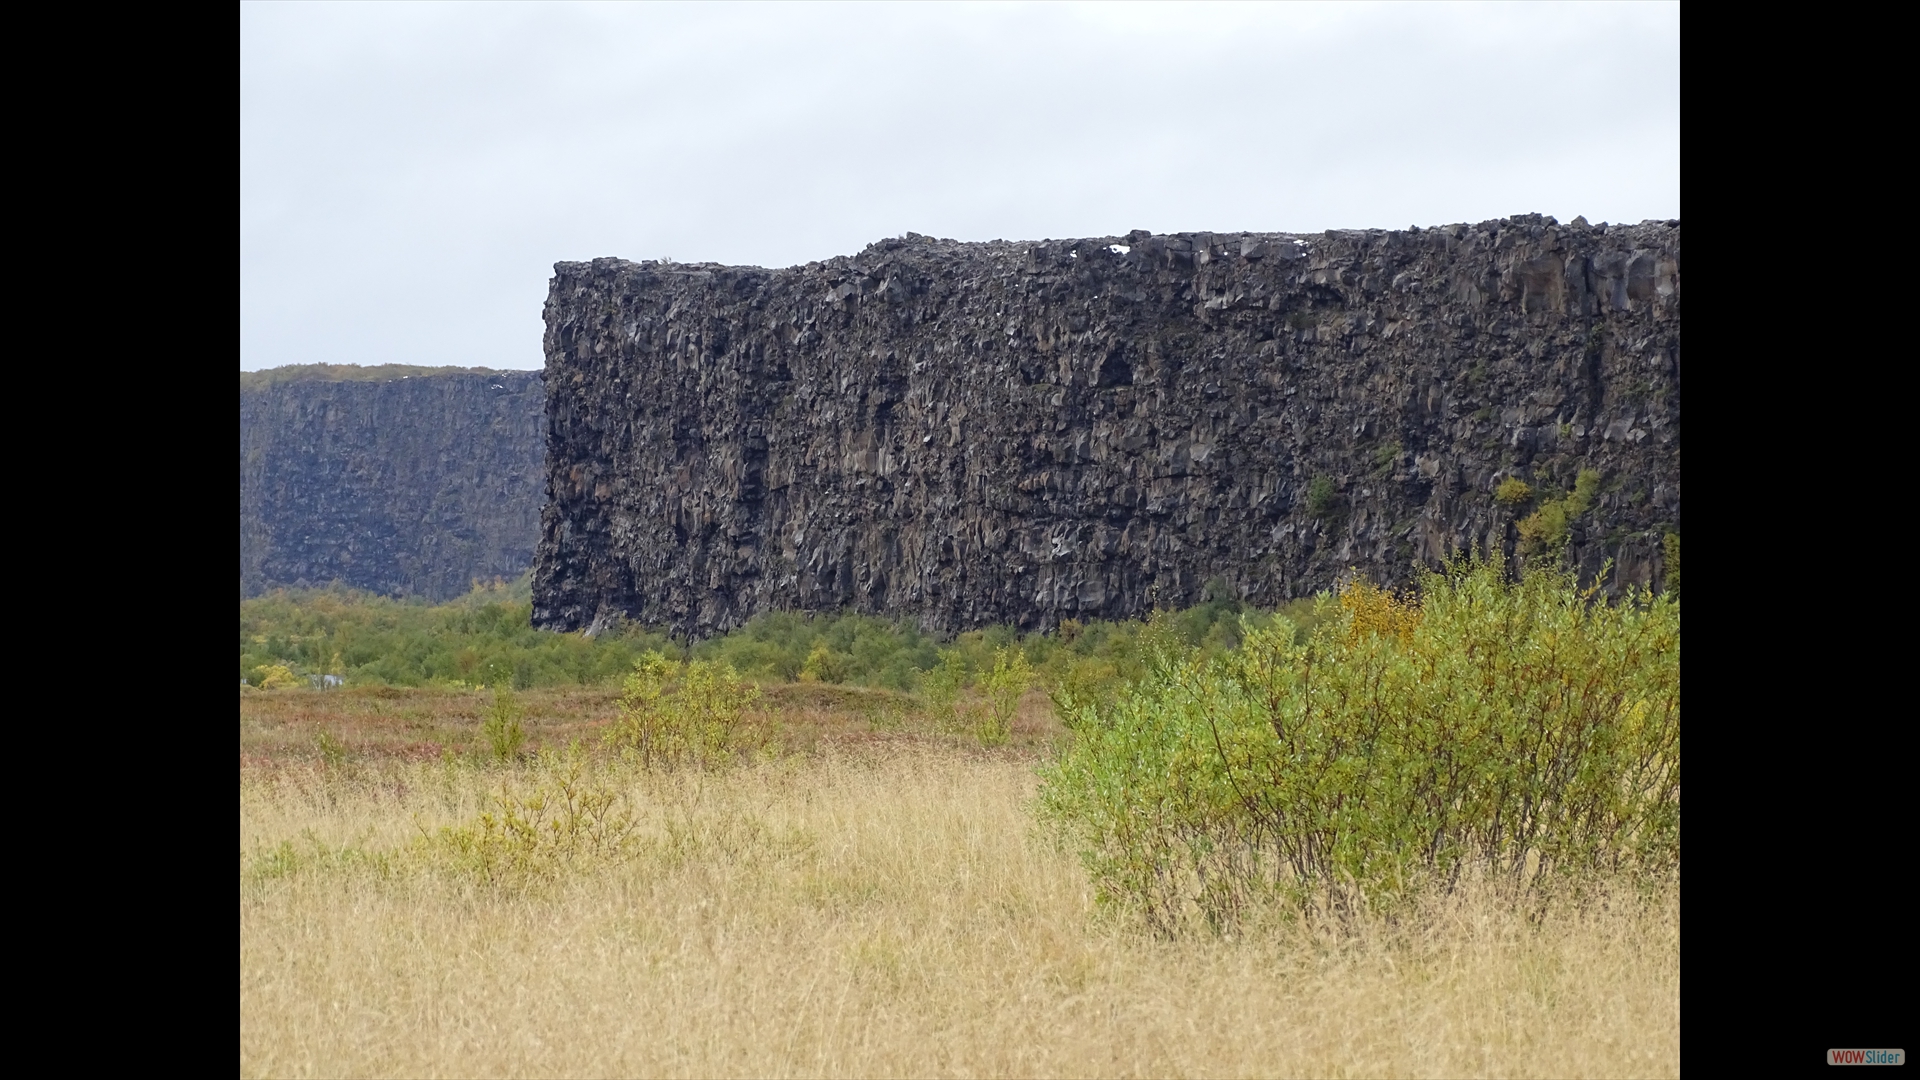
x=969, y=434
x=400, y=485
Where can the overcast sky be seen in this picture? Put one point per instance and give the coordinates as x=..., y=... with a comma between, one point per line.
x=409, y=174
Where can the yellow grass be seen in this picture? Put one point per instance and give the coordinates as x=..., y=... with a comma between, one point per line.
x=887, y=911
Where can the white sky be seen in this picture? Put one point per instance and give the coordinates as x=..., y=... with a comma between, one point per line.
x=410, y=173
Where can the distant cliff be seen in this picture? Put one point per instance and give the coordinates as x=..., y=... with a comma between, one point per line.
x=1021, y=432
x=404, y=481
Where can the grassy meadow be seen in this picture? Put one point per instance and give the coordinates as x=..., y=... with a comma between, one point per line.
x=832, y=873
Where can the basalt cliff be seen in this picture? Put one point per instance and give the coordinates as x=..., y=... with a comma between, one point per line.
x=973, y=433
x=399, y=480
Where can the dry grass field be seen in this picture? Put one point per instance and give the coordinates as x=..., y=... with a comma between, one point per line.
x=869, y=899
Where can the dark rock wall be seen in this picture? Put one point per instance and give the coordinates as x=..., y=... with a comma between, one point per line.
x=968, y=434
x=413, y=486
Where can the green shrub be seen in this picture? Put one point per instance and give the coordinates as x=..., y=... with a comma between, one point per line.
x=1092, y=669
x=287, y=859
x=1523, y=732
x=823, y=665
x=940, y=687
x=333, y=752
x=1010, y=678
x=1547, y=529
x=1512, y=491
x=1087, y=685
x=1670, y=546
x=1320, y=497
x=856, y=649
x=502, y=731
x=674, y=714
x=570, y=815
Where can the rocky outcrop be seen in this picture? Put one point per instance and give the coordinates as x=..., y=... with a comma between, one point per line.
x=404, y=484
x=968, y=434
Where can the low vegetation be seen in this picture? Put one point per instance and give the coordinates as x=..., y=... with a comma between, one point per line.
x=482, y=639
x=294, y=638
x=1367, y=834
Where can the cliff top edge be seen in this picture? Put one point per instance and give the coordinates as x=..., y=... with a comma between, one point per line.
x=273, y=376
x=915, y=243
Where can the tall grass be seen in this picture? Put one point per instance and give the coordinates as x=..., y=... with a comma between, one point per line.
x=891, y=914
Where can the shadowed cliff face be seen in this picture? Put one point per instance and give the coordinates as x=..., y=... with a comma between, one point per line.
x=969, y=434
x=412, y=486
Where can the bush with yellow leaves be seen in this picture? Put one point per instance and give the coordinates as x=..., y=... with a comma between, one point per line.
x=279, y=676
